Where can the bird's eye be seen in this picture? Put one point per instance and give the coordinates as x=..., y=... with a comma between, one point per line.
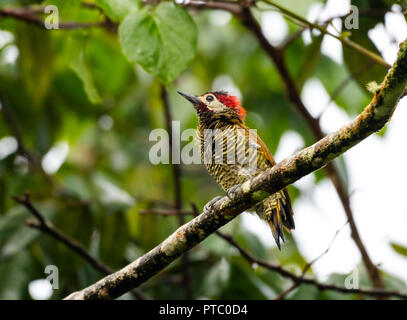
x=209, y=98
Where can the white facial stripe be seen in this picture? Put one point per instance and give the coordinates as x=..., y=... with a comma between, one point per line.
x=213, y=105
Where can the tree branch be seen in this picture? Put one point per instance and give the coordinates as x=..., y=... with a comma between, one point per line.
x=243, y=197
x=46, y=227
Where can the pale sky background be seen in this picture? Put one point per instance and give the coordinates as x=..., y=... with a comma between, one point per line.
x=377, y=169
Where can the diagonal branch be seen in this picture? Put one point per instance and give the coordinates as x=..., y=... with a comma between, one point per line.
x=46, y=227
x=244, y=196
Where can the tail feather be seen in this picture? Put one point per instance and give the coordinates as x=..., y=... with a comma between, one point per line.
x=277, y=212
x=275, y=223
x=288, y=211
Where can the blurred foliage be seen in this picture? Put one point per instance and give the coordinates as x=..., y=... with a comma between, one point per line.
x=399, y=249
x=98, y=91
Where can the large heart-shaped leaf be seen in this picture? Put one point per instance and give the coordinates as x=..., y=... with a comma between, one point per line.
x=162, y=39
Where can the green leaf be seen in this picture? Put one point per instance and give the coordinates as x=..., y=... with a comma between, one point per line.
x=311, y=58
x=162, y=41
x=305, y=292
x=362, y=68
x=15, y=276
x=244, y=282
x=216, y=279
x=252, y=243
x=393, y=282
x=19, y=241
x=77, y=62
x=11, y=221
x=399, y=249
x=118, y=9
x=344, y=91
x=14, y=234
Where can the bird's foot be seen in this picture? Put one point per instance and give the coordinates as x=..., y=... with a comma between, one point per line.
x=230, y=191
x=208, y=207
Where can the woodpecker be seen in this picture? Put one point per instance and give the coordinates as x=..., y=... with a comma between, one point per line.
x=221, y=123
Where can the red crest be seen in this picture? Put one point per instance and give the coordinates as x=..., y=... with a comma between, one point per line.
x=231, y=102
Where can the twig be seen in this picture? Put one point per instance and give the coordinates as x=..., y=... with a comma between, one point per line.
x=236, y=9
x=367, y=53
x=33, y=159
x=11, y=122
x=27, y=15
x=46, y=227
x=309, y=265
x=298, y=280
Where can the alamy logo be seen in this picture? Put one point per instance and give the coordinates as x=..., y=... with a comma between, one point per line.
x=352, y=19
x=53, y=276
x=352, y=281
x=227, y=146
x=52, y=20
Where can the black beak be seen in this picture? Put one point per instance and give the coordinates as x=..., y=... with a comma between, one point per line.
x=194, y=100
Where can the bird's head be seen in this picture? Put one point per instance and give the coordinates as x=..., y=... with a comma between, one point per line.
x=216, y=104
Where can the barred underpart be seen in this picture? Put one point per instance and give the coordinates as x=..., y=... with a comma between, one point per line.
x=232, y=154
